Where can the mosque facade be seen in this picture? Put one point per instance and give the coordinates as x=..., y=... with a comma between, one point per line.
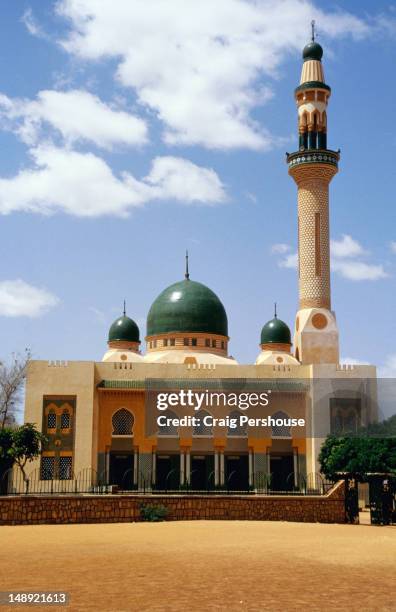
x=98, y=416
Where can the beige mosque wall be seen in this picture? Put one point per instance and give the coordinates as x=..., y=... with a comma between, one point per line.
x=60, y=379
x=80, y=379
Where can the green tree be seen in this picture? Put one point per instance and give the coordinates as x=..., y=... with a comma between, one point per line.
x=26, y=446
x=358, y=455
x=383, y=429
x=6, y=460
x=5, y=443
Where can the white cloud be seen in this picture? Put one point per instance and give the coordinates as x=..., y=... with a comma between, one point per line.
x=76, y=114
x=352, y=361
x=388, y=369
x=344, y=260
x=346, y=247
x=32, y=25
x=393, y=247
x=99, y=315
x=83, y=185
x=280, y=248
x=290, y=261
x=199, y=65
x=19, y=299
x=251, y=197
x=358, y=270
x=180, y=179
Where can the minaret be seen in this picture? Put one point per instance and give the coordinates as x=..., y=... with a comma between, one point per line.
x=313, y=167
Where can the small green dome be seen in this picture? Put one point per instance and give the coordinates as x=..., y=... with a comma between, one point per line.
x=124, y=329
x=275, y=332
x=187, y=306
x=312, y=51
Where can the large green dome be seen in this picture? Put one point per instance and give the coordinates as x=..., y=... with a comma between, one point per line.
x=187, y=306
x=124, y=329
x=275, y=332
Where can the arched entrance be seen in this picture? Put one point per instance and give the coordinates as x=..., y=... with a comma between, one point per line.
x=237, y=472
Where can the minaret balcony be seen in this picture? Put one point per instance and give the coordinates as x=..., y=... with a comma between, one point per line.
x=313, y=156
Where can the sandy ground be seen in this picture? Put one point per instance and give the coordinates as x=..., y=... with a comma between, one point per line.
x=202, y=565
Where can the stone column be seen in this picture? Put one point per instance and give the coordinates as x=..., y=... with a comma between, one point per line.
x=135, y=466
x=145, y=471
x=188, y=465
x=216, y=468
x=222, y=475
x=251, y=474
x=107, y=472
x=154, y=468
x=182, y=471
x=295, y=466
x=260, y=463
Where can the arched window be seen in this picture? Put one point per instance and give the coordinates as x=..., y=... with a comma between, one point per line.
x=65, y=468
x=350, y=421
x=65, y=420
x=240, y=430
x=122, y=423
x=337, y=425
x=344, y=415
x=47, y=468
x=168, y=429
x=279, y=430
x=202, y=429
x=51, y=420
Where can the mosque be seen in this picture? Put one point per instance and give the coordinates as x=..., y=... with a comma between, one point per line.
x=96, y=414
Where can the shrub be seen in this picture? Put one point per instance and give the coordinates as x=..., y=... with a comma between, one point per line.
x=153, y=513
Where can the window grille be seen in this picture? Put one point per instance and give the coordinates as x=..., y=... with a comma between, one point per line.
x=65, y=468
x=280, y=431
x=240, y=430
x=47, y=468
x=201, y=429
x=51, y=420
x=65, y=420
x=122, y=423
x=168, y=430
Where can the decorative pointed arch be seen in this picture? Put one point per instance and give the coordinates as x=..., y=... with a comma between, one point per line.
x=202, y=429
x=122, y=422
x=240, y=431
x=281, y=431
x=168, y=430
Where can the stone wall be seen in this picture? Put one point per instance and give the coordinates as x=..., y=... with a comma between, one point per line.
x=28, y=510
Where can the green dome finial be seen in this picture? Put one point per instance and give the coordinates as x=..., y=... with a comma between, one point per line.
x=313, y=50
x=187, y=274
x=124, y=329
x=275, y=332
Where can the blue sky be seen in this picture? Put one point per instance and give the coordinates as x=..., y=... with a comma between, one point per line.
x=128, y=136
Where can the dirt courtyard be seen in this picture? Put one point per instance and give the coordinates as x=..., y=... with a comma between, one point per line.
x=203, y=565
